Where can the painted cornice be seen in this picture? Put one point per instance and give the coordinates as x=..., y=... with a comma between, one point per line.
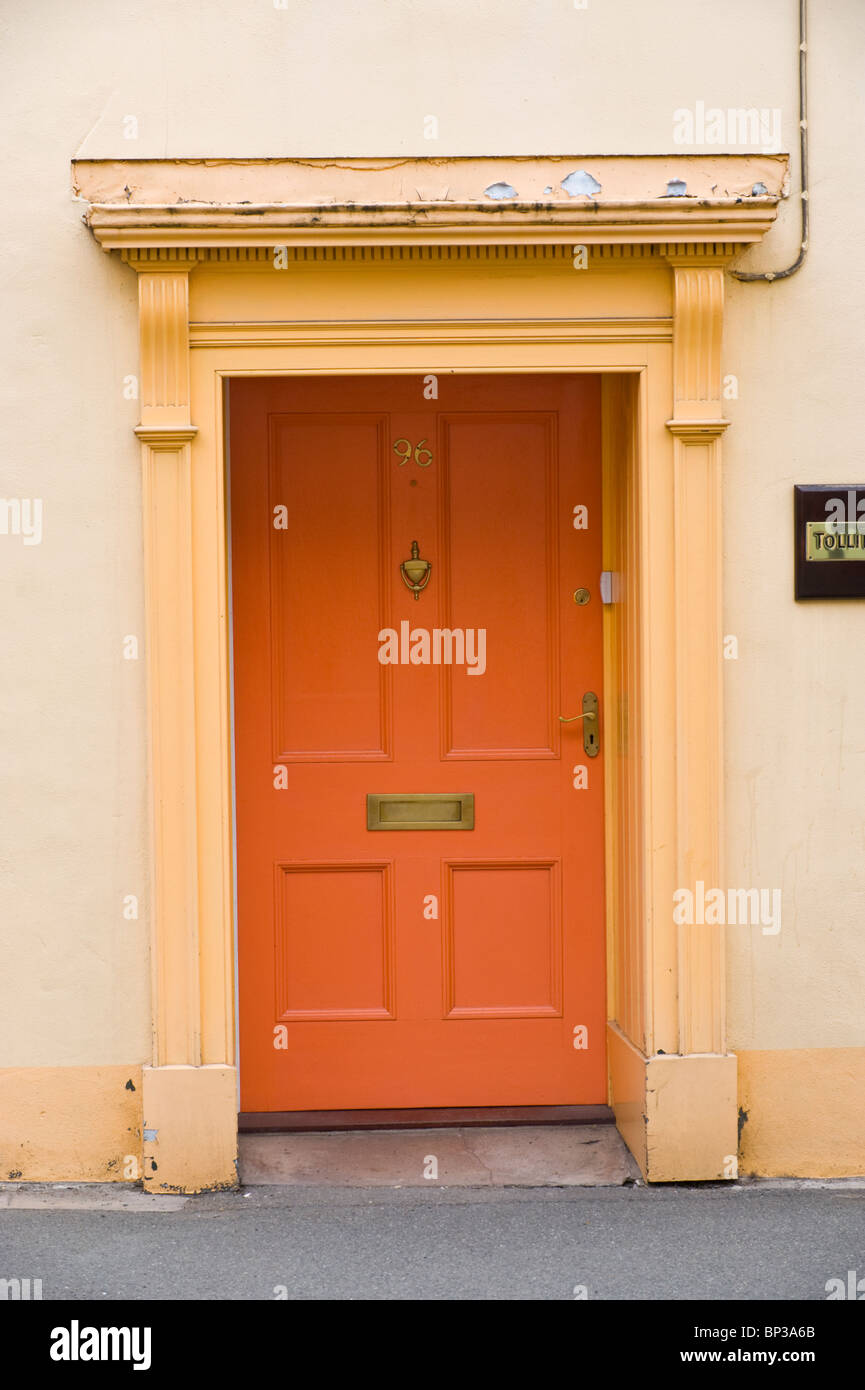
x=189, y=205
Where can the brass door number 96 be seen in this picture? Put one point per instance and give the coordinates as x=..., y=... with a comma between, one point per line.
x=422, y=457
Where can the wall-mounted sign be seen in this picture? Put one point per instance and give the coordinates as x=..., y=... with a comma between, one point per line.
x=830, y=541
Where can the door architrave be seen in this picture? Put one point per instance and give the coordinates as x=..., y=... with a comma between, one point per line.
x=672, y=1080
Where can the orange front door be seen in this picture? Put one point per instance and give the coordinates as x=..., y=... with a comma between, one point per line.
x=404, y=967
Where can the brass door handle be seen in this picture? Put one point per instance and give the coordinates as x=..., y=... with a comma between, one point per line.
x=591, y=733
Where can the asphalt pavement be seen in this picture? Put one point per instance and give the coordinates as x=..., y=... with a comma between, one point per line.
x=754, y=1240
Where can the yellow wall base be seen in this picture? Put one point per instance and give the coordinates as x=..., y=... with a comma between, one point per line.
x=677, y=1114
x=70, y=1124
x=803, y=1112
x=190, y=1128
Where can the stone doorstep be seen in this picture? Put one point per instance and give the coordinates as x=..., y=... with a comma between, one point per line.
x=521, y=1156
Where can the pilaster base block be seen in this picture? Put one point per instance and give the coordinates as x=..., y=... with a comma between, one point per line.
x=677, y=1114
x=190, y=1128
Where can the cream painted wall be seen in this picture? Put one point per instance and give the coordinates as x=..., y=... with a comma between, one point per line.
x=341, y=77
x=74, y=984
x=795, y=699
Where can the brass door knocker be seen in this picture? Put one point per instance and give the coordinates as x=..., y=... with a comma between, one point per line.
x=415, y=572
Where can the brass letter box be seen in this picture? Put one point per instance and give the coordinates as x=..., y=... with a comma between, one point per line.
x=420, y=811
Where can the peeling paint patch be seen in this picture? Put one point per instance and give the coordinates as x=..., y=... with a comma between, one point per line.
x=676, y=188
x=579, y=184
x=548, y=189
x=500, y=190
x=150, y=1136
x=759, y=190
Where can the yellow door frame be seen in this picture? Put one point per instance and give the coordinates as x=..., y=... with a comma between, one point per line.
x=630, y=285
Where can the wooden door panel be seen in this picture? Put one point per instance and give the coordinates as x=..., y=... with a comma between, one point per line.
x=500, y=557
x=334, y=942
x=329, y=584
x=502, y=941
x=411, y=968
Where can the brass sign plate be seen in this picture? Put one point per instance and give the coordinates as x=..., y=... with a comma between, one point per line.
x=834, y=540
x=420, y=811
x=829, y=540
